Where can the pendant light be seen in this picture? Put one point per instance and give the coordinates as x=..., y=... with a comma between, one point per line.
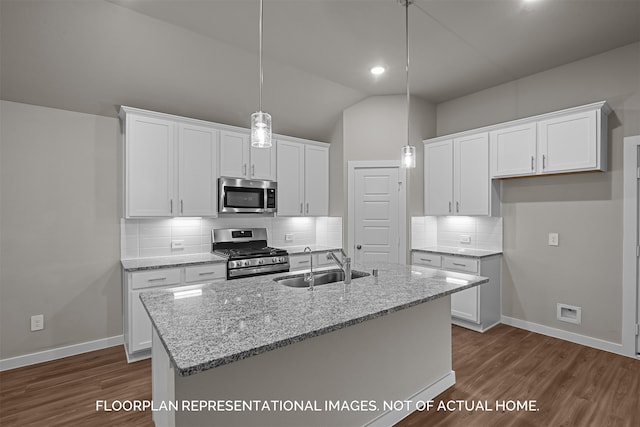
x=408, y=158
x=260, y=121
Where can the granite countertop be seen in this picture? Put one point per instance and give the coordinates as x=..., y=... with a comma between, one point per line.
x=169, y=261
x=299, y=249
x=236, y=319
x=468, y=252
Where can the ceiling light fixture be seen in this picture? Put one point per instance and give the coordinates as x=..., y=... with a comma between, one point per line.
x=260, y=121
x=408, y=158
x=377, y=70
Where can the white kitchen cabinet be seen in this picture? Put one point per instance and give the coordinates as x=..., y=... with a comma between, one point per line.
x=572, y=140
x=457, y=176
x=303, y=179
x=137, y=326
x=238, y=159
x=303, y=261
x=477, y=308
x=149, y=166
x=170, y=166
x=513, y=151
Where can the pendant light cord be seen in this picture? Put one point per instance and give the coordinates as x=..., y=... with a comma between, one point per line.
x=407, y=45
x=260, y=48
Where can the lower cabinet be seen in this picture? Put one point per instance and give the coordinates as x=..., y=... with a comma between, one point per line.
x=477, y=308
x=137, y=326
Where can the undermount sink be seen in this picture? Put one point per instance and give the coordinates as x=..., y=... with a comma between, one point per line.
x=320, y=278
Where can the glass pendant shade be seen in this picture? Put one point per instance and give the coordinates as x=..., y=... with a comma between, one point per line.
x=261, y=130
x=409, y=156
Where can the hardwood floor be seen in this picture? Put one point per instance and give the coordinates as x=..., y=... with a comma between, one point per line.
x=572, y=385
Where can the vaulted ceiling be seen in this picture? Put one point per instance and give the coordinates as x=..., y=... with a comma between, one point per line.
x=200, y=57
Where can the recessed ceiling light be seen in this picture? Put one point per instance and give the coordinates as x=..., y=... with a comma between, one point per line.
x=377, y=70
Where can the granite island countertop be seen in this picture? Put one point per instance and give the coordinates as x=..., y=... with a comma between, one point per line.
x=236, y=319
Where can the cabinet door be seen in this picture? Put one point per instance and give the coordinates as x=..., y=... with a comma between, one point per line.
x=197, y=174
x=438, y=178
x=316, y=179
x=149, y=167
x=568, y=143
x=471, y=179
x=513, y=151
x=263, y=163
x=290, y=174
x=464, y=305
x=140, y=326
x=234, y=154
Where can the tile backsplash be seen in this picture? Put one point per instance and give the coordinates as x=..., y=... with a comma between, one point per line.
x=142, y=238
x=453, y=231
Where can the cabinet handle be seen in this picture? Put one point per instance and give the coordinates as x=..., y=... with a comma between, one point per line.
x=181, y=206
x=532, y=167
x=303, y=262
x=449, y=206
x=157, y=279
x=544, y=161
x=459, y=265
x=300, y=207
x=253, y=170
x=171, y=206
x=307, y=207
x=425, y=259
x=244, y=169
x=457, y=206
x=206, y=273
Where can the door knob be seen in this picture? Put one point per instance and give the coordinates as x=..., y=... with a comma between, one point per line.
x=359, y=247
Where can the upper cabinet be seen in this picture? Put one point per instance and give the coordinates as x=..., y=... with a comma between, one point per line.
x=457, y=176
x=303, y=178
x=572, y=140
x=170, y=166
x=241, y=160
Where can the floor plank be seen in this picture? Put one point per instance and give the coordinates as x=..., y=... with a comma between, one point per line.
x=572, y=385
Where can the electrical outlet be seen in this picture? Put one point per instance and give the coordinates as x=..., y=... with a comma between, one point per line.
x=465, y=238
x=553, y=239
x=177, y=244
x=288, y=237
x=37, y=322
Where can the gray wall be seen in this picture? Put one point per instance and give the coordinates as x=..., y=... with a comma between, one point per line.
x=60, y=234
x=585, y=209
x=376, y=129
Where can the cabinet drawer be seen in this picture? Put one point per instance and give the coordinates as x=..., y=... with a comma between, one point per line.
x=297, y=262
x=430, y=260
x=201, y=273
x=160, y=277
x=460, y=264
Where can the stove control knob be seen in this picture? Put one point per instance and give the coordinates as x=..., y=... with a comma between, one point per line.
x=260, y=261
x=274, y=259
x=246, y=263
x=281, y=259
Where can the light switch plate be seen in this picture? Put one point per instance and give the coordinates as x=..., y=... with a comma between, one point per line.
x=177, y=244
x=553, y=239
x=288, y=237
x=465, y=238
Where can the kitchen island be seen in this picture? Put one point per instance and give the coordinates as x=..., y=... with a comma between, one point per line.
x=255, y=352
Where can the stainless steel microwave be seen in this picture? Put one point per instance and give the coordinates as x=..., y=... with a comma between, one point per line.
x=246, y=196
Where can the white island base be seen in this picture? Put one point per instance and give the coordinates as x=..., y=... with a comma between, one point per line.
x=404, y=355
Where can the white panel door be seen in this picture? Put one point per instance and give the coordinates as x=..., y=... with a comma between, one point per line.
x=568, y=143
x=149, y=167
x=197, y=172
x=234, y=154
x=316, y=178
x=263, y=163
x=290, y=177
x=464, y=304
x=140, y=324
x=513, y=151
x=471, y=179
x=438, y=178
x=376, y=215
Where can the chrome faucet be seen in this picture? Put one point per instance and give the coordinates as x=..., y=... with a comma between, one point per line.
x=345, y=265
x=308, y=277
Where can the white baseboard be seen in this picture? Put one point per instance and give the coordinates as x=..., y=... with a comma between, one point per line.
x=390, y=418
x=565, y=335
x=59, y=353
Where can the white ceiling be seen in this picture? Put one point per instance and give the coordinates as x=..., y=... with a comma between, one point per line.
x=199, y=58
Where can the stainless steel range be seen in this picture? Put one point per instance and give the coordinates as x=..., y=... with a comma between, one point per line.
x=247, y=252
